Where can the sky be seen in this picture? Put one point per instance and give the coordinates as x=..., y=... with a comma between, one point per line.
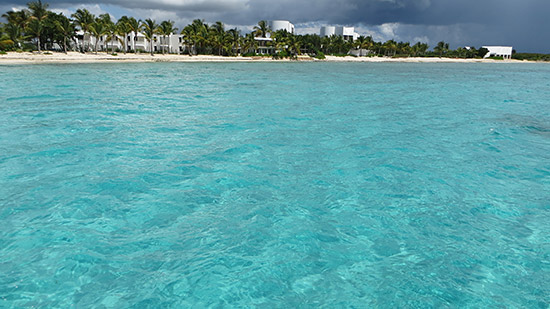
x=524, y=24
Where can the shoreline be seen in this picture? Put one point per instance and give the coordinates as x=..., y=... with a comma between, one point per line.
x=16, y=58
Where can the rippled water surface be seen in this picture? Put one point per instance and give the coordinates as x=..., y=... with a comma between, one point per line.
x=275, y=185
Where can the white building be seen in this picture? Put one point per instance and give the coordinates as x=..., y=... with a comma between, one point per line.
x=499, y=51
x=88, y=42
x=347, y=32
x=138, y=41
x=265, y=46
x=170, y=44
x=276, y=25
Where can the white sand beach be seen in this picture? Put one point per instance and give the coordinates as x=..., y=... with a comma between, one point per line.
x=75, y=57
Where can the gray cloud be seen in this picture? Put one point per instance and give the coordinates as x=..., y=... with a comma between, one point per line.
x=522, y=23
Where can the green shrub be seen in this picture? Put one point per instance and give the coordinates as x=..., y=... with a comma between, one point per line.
x=6, y=45
x=531, y=56
x=114, y=54
x=281, y=55
x=2, y=52
x=320, y=55
x=497, y=58
x=47, y=53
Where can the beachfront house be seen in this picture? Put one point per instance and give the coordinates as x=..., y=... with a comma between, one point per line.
x=348, y=33
x=499, y=51
x=137, y=41
x=87, y=42
x=170, y=44
x=266, y=46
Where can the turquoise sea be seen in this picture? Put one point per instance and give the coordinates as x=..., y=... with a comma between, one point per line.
x=275, y=185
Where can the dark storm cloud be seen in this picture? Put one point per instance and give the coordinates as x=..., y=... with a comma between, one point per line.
x=518, y=22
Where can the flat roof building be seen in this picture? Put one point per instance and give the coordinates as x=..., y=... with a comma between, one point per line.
x=276, y=25
x=347, y=32
x=499, y=51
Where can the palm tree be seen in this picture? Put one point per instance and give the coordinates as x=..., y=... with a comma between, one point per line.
x=17, y=22
x=218, y=36
x=419, y=48
x=200, y=35
x=280, y=40
x=166, y=28
x=14, y=33
x=441, y=48
x=110, y=31
x=404, y=48
x=311, y=43
x=84, y=20
x=234, y=36
x=293, y=45
x=262, y=29
x=5, y=41
x=150, y=28
x=34, y=30
x=67, y=29
x=112, y=35
x=390, y=46
x=98, y=30
x=38, y=13
x=249, y=43
x=19, y=18
x=378, y=47
x=135, y=26
x=363, y=42
x=325, y=43
x=188, y=38
x=122, y=29
x=337, y=44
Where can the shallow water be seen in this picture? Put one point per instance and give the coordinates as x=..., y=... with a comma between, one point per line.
x=275, y=185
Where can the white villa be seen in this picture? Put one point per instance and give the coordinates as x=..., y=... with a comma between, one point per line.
x=347, y=32
x=265, y=45
x=499, y=51
x=276, y=25
x=169, y=44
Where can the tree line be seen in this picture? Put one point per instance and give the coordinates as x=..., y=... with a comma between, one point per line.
x=37, y=28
